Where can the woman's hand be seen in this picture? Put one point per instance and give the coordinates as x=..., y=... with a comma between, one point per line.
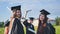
x=6, y=30
x=11, y=21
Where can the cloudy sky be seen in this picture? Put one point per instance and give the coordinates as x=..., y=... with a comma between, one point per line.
x=52, y=6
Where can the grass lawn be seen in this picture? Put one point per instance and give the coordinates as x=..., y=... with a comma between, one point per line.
x=1, y=30
x=56, y=27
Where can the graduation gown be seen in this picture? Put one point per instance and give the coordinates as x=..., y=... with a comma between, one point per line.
x=45, y=30
x=17, y=27
x=6, y=23
x=28, y=25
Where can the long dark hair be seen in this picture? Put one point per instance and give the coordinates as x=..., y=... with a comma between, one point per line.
x=44, y=21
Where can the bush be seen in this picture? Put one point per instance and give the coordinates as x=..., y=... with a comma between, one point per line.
x=1, y=24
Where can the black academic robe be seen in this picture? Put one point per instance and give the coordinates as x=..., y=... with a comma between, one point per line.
x=28, y=25
x=45, y=30
x=6, y=23
x=17, y=27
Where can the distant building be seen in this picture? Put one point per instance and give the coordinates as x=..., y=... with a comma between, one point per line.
x=52, y=21
x=35, y=22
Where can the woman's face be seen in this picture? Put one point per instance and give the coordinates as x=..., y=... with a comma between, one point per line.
x=41, y=17
x=18, y=13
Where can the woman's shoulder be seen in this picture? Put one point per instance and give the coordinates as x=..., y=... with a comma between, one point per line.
x=6, y=23
x=48, y=23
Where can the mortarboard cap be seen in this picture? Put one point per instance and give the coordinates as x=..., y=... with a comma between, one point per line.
x=31, y=18
x=16, y=7
x=43, y=11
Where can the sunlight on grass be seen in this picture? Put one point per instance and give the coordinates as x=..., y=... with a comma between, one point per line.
x=56, y=27
x=1, y=30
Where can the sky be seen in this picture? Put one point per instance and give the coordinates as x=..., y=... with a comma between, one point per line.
x=52, y=6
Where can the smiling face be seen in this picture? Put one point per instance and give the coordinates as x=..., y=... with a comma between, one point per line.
x=42, y=17
x=18, y=13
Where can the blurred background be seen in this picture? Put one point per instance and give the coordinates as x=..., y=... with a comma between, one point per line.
x=52, y=6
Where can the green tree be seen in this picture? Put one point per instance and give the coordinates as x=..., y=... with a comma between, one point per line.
x=57, y=21
x=1, y=24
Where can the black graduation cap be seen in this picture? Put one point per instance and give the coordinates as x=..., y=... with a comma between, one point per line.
x=31, y=18
x=43, y=11
x=16, y=7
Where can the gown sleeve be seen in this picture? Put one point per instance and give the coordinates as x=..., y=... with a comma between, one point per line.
x=26, y=23
x=52, y=28
x=6, y=23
